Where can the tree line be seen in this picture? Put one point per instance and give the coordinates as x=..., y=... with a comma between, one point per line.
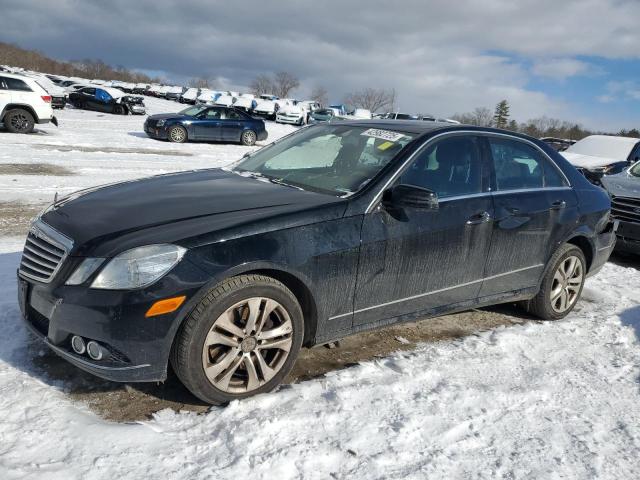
x=88, y=68
x=536, y=127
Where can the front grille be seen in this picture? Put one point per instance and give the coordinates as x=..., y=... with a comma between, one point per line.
x=626, y=209
x=43, y=254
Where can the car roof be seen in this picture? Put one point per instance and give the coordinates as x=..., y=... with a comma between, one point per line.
x=407, y=126
x=17, y=76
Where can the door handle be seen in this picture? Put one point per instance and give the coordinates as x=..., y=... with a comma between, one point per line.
x=478, y=218
x=558, y=205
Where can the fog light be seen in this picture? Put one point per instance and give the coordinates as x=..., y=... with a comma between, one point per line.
x=95, y=351
x=78, y=345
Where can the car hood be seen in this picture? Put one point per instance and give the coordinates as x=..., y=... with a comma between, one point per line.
x=173, y=206
x=622, y=185
x=165, y=116
x=587, y=161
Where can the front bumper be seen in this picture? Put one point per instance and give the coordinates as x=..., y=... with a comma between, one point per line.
x=628, y=237
x=159, y=133
x=138, y=347
x=290, y=120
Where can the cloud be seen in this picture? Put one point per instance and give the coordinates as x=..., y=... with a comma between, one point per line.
x=561, y=68
x=441, y=57
x=620, y=90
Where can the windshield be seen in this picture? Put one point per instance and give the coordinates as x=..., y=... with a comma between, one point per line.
x=193, y=111
x=635, y=170
x=334, y=159
x=617, y=148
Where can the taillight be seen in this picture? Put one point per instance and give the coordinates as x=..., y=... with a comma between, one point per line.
x=46, y=98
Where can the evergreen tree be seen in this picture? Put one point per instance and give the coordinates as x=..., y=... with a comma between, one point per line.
x=501, y=115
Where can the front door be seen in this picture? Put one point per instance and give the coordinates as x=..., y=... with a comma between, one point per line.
x=417, y=260
x=534, y=210
x=208, y=124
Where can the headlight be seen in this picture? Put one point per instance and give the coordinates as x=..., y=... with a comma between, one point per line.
x=160, y=123
x=138, y=267
x=84, y=270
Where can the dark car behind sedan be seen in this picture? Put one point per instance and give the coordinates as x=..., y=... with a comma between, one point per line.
x=206, y=123
x=624, y=189
x=338, y=228
x=107, y=100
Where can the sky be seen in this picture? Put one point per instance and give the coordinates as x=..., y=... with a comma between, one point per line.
x=577, y=60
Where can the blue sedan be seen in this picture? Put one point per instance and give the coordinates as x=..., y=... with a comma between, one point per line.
x=202, y=122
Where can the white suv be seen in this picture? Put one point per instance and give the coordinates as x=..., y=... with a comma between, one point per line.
x=23, y=103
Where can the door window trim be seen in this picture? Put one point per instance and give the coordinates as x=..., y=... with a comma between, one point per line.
x=378, y=196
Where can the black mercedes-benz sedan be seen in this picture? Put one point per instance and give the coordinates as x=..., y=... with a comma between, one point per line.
x=338, y=228
x=203, y=122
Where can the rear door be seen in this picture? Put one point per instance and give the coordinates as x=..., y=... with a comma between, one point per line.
x=535, y=208
x=416, y=260
x=208, y=124
x=231, y=125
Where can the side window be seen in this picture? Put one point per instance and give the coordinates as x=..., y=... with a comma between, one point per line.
x=15, y=84
x=518, y=165
x=3, y=85
x=231, y=114
x=213, y=114
x=450, y=167
x=89, y=91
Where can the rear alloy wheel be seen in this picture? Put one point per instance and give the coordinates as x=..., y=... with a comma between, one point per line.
x=177, y=134
x=19, y=121
x=562, y=284
x=248, y=138
x=242, y=339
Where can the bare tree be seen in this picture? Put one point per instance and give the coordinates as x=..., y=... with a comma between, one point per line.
x=261, y=84
x=481, y=116
x=284, y=83
x=319, y=94
x=373, y=99
x=201, y=82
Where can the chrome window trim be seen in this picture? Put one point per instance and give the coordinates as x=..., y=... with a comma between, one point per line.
x=413, y=297
x=376, y=199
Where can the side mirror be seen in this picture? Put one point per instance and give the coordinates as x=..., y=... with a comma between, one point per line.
x=411, y=196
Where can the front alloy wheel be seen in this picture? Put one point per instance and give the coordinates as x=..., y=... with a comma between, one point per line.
x=240, y=340
x=177, y=134
x=247, y=345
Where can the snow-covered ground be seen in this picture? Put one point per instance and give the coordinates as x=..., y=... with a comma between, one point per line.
x=538, y=400
x=101, y=148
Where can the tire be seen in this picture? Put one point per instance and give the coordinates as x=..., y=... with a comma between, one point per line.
x=248, y=138
x=177, y=134
x=214, y=357
x=563, y=282
x=119, y=110
x=19, y=121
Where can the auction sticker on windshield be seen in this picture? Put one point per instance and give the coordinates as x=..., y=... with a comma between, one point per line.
x=383, y=134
